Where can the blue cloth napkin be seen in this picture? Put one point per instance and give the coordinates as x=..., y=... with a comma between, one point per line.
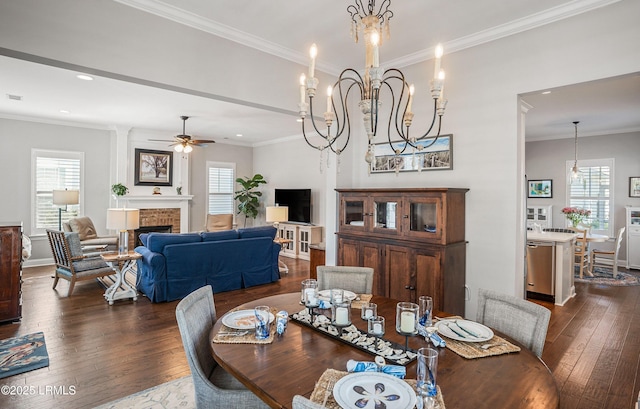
x=362, y=366
x=433, y=336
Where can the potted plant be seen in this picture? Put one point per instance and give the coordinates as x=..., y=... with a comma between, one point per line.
x=248, y=197
x=119, y=189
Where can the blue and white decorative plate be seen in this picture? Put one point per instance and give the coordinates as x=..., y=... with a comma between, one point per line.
x=371, y=390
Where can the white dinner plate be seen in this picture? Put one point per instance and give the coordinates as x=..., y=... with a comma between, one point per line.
x=242, y=319
x=351, y=391
x=463, y=330
x=325, y=295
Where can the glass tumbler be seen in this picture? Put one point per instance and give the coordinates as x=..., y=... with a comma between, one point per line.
x=262, y=323
x=426, y=307
x=426, y=372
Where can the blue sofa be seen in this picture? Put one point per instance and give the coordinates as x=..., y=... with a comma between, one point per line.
x=174, y=265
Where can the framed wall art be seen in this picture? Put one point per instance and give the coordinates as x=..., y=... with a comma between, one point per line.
x=634, y=186
x=438, y=156
x=540, y=188
x=153, y=168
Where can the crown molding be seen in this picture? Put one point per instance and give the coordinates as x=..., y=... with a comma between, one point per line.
x=566, y=135
x=53, y=121
x=181, y=16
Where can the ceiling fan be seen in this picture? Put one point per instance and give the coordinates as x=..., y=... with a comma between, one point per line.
x=183, y=142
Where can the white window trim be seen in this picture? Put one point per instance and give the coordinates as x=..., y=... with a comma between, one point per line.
x=35, y=232
x=215, y=164
x=596, y=162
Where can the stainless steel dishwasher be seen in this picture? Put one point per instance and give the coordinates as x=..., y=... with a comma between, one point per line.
x=541, y=271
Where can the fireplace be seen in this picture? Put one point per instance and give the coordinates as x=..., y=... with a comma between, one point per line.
x=149, y=229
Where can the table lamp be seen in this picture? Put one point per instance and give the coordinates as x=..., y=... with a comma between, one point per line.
x=277, y=214
x=123, y=220
x=64, y=198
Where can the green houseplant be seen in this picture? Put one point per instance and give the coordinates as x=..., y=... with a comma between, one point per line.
x=248, y=197
x=119, y=189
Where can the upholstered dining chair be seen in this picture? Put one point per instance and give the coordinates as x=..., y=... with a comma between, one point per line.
x=520, y=319
x=300, y=402
x=217, y=222
x=581, y=252
x=608, y=258
x=71, y=264
x=214, y=387
x=356, y=279
x=558, y=230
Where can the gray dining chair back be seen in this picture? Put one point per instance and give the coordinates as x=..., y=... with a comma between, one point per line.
x=558, y=230
x=608, y=258
x=520, y=319
x=356, y=279
x=214, y=387
x=300, y=402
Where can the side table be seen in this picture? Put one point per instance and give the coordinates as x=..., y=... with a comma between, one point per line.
x=121, y=263
x=281, y=265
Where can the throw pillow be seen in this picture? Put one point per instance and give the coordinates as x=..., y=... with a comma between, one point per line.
x=75, y=248
x=84, y=227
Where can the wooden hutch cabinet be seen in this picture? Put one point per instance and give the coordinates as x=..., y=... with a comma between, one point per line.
x=10, y=271
x=414, y=239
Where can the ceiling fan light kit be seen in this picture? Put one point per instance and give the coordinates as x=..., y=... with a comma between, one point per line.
x=183, y=142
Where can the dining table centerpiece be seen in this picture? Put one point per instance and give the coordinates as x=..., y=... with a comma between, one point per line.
x=576, y=215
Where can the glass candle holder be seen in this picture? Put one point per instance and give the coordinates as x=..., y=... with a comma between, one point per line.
x=407, y=318
x=337, y=295
x=310, y=293
x=368, y=311
x=375, y=326
x=341, y=313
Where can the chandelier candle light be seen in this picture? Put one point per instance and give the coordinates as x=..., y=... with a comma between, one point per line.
x=372, y=22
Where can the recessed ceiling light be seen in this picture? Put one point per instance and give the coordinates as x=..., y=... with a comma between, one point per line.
x=546, y=92
x=64, y=111
x=84, y=77
x=239, y=135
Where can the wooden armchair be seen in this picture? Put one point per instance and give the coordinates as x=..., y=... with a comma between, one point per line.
x=71, y=264
x=581, y=254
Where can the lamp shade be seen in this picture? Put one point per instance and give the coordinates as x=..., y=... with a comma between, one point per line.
x=123, y=219
x=66, y=197
x=276, y=214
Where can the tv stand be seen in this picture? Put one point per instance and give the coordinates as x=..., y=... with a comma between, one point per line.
x=302, y=235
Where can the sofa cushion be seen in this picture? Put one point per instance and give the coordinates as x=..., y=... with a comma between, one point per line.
x=157, y=241
x=75, y=248
x=84, y=227
x=220, y=235
x=144, y=237
x=261, y=231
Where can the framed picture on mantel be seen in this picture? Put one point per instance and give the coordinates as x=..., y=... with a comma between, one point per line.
x=153, y=168
x=540, y=189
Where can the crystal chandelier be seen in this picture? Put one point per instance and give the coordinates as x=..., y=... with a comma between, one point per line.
x=371, y=22
x=574, y=174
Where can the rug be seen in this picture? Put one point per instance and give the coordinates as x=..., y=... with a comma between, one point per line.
x=176, y=394
x=604, y=276
x=23, y=354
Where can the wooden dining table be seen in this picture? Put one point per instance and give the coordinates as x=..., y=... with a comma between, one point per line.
x=293, y=363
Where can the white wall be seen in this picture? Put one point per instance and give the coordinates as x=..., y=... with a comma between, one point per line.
x=547, y=160
x=483, y=84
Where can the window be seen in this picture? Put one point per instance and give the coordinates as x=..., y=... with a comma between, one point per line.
x=53, y=170
x=595, y=193
x=220, y=187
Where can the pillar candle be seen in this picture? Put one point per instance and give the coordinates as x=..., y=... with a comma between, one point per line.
x=407, y=322
x=377, y=328
x=342, y=316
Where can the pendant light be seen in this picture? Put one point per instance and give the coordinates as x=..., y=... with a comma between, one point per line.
x=575, y=175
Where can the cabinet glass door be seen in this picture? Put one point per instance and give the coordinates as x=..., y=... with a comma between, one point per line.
x=353, y=214
x=385, y=212
x=424, y=218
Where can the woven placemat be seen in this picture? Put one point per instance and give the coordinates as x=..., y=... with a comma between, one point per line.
x=472, y=350
x=249, y=338
x=323, y=391
x=363, y=299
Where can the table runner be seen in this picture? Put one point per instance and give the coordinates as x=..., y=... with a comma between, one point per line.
x=249, y=338
x=323, y=391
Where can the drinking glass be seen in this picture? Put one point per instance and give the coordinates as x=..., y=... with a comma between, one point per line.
x=406, y=318
x=262, y=323
x=426, y=307
x=368, y=311
x=427, y=368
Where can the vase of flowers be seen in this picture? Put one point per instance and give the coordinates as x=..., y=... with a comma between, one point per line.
x=576, y=215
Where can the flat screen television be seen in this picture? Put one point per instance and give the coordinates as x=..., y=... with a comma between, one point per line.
x=298, y=201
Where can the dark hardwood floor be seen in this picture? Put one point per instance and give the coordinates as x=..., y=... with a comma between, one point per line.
x=106, y=352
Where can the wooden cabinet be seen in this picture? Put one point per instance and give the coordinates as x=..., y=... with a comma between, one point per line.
x=10, y=271
x=302, y=236
x=414, y=239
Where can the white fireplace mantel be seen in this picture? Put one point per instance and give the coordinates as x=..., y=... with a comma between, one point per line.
x=161, y=202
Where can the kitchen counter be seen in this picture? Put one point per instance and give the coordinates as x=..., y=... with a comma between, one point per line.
x=564, y=249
